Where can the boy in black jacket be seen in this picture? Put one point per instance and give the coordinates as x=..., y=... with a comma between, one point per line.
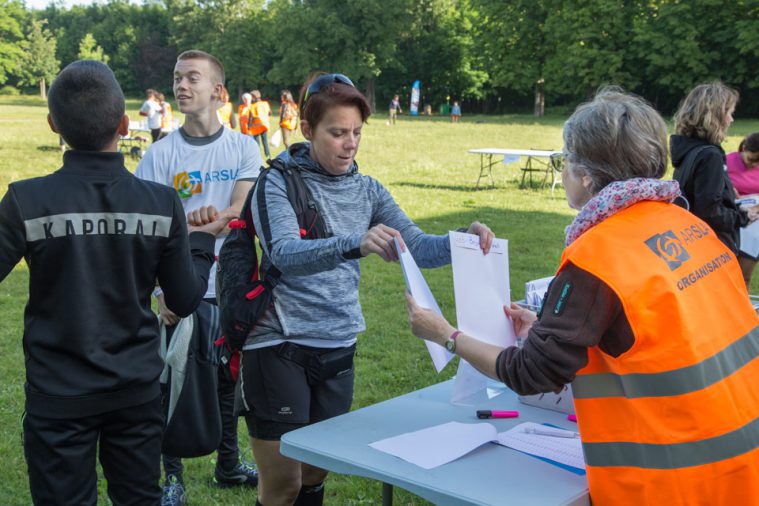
x=95, y=239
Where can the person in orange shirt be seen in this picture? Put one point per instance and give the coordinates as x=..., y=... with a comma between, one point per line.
x=226, y=112
x=167, y=116
x=243, y=112
x=288, y=117
x=259, y=120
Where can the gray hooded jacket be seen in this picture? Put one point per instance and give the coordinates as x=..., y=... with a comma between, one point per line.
x=317, y=294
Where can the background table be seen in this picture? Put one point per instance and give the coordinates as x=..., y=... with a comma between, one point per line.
x=533, y=163
x=490, y=475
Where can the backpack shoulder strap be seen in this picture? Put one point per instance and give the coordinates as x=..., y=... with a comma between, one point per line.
x=310, y=220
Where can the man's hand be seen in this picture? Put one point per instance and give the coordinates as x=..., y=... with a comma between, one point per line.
x=379, y=240
x=486, y=235
x=202, y=216
x=521, y=318
x=214, y=227
x=166, y=315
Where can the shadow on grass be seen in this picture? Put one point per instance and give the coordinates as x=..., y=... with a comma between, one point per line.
x=536, y=187
x=441, y=186
x=48, y=148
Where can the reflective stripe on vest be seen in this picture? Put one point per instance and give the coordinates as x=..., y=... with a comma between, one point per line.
x=677, y=382
x=673, y=456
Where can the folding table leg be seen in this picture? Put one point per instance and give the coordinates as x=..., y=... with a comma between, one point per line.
x=387, y=494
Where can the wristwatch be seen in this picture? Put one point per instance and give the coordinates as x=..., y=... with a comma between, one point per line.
x=450, y=344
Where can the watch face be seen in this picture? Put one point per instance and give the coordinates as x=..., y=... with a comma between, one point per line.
x=450, y=345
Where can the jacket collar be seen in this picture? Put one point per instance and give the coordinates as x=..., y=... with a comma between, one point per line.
x=103, y=163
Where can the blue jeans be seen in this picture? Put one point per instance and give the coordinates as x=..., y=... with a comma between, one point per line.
x=262, y=137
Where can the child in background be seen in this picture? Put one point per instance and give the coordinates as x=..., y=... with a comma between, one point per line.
x=455, y=112
x=395, y=109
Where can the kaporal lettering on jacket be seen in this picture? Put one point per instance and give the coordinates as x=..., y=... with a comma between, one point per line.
x=64, y=225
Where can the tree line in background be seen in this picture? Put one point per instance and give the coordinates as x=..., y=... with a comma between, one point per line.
x=493, y=56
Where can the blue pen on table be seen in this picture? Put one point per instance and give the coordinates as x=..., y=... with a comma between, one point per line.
x=549, y=431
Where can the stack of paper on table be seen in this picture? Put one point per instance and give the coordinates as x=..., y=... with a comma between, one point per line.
x=438, y=445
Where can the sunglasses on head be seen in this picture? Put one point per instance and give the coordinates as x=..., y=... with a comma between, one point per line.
x=325, y=81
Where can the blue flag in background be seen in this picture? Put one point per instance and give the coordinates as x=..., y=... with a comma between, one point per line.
x=414, y=108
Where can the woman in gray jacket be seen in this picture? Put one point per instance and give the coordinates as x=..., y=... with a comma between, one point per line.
x=297, y=365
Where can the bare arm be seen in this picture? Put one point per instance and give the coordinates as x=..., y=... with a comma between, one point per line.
x=433, y=327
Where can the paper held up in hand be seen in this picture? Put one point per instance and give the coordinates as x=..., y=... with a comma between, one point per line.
x=481, y=287
x=419, y=289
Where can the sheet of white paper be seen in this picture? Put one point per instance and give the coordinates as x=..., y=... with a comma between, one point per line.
x=468, y=382
x=567, y=451
x=438, y=445
x=418, y=287
x=481, y=288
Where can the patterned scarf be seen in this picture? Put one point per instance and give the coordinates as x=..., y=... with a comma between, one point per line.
x=617, y=196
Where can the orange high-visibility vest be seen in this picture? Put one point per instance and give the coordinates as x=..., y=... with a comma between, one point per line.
x=167, y=117
x=675, y=419
x=243, y=115
x=291, y=120
x=260, y=112
x=225, y=114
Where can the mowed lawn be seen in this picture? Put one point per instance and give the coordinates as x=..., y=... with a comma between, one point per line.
x=425, y=165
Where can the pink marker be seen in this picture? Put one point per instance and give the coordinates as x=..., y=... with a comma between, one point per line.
x=486, y=413
x=572, y=418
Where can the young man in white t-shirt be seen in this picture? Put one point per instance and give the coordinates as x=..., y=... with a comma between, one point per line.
x=212, y=169
x=153, y=110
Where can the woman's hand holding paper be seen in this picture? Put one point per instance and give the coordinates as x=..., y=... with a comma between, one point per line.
x=521, y=318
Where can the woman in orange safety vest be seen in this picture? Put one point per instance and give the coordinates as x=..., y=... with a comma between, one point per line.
x=243, y=113
x=226, y=111
x=648, y=318
x=288, y=117
x=259, y=120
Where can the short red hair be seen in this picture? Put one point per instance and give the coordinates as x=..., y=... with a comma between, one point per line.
x=336, y=94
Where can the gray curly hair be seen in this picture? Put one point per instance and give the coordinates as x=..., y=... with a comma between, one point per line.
x=614, y=137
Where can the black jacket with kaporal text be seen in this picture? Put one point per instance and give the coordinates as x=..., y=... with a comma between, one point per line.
x=95, y=239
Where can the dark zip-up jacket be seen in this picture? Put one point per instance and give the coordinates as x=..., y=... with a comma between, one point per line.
x=95, y=239
x=710, y=193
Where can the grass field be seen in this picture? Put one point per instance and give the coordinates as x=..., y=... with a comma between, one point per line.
x=424, y=164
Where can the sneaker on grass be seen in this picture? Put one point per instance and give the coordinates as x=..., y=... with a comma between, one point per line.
x=173, y=492
x=244, y=473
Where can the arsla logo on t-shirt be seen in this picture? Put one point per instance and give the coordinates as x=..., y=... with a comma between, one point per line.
x=188, y=184
x=669, y=248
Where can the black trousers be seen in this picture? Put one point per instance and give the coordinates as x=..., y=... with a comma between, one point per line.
x=60, y=455
x=228, y=451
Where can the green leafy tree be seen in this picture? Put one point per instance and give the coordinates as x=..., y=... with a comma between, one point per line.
x=228, y=29
x=39, y=62
x=356, y=37
x=11, y=16
x=89, y=50
x=591, y=41
x=439, y=50
x=514, y=44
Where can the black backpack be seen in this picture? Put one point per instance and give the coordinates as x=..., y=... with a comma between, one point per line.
x=243, y=287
